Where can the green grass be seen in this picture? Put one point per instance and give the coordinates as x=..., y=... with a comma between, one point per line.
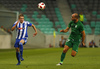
x=87, y=58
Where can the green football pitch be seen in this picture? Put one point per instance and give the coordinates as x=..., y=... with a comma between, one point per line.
x=87, y=58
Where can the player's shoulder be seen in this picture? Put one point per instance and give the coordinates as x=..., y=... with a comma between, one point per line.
x=26, y=21
x=80, y=23
x=71, y=22
x=15, y=22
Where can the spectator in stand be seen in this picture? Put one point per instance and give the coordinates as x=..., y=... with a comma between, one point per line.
x=5, y=29
x=2, y=28
x=62, y=41
x=81, y=17
x=92, y=43
x=9, y=31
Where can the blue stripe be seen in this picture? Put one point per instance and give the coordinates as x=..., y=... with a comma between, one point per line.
x=26, y=35
x=18, y=31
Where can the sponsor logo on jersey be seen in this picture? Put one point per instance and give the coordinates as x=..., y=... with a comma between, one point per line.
x=20, y=28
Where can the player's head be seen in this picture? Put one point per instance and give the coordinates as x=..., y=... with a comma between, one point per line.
x=21, y=17
x=1, y=26
x=92, y=41
x=5, y=29
x=74, y=16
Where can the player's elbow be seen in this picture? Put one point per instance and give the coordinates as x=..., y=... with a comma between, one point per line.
x=12, y=29
x=66, y=30
x=33, y=26
x=83, y=33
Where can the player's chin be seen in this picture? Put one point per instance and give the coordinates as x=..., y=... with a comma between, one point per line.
x=73, y=20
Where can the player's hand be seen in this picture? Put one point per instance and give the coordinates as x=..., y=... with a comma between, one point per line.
x=62, y=30
x=83, y=43
x=35, y=34
x=17, y=22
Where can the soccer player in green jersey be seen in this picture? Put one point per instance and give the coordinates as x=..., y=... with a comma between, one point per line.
x=77, y=32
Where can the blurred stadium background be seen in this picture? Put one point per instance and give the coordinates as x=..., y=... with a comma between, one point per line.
x=49, y=22
x=55, y=17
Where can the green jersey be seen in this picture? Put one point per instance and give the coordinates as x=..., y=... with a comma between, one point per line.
x=76, y=29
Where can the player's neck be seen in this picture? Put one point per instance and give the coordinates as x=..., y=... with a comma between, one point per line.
x=22, y=22
x=76, y=21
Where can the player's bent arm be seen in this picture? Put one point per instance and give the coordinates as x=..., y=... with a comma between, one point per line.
x=83, y=36
x=14, y=26
x=34, y=28
x=67, y=29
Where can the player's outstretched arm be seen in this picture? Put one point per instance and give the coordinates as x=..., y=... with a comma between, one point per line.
x=35, y=30
x=14, y=26
x=83, y=37
x=66, y=30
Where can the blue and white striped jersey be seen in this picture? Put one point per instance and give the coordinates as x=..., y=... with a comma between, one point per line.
x=21, y=29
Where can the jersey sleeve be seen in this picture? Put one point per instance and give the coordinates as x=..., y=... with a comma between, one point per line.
x=29, y=24
x=69, y=25
x=14, y=23
x=81, y=27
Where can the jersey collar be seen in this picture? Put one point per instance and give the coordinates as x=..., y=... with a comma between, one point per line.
x=22, y=23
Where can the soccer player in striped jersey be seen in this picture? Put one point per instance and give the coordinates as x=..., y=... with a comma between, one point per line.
x=21, y=36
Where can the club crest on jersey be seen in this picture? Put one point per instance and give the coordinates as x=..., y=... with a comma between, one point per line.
x=75, y=26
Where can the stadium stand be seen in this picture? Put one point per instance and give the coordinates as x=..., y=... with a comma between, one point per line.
x=46, y=21
x=91, y=11
x=50, y=19
x=54, y=17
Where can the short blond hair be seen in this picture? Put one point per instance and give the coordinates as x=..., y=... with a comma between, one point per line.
x=20, y=15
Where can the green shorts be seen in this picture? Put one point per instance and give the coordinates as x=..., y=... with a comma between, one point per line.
x=74, y=44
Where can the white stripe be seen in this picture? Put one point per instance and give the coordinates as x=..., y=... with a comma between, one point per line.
x=21, y=26
x=15, y=22
x=17, y=30
x=26, y=39
x=17, y=34
x=24, y=31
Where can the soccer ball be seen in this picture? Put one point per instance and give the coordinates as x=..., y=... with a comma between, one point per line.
x=41, y=6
